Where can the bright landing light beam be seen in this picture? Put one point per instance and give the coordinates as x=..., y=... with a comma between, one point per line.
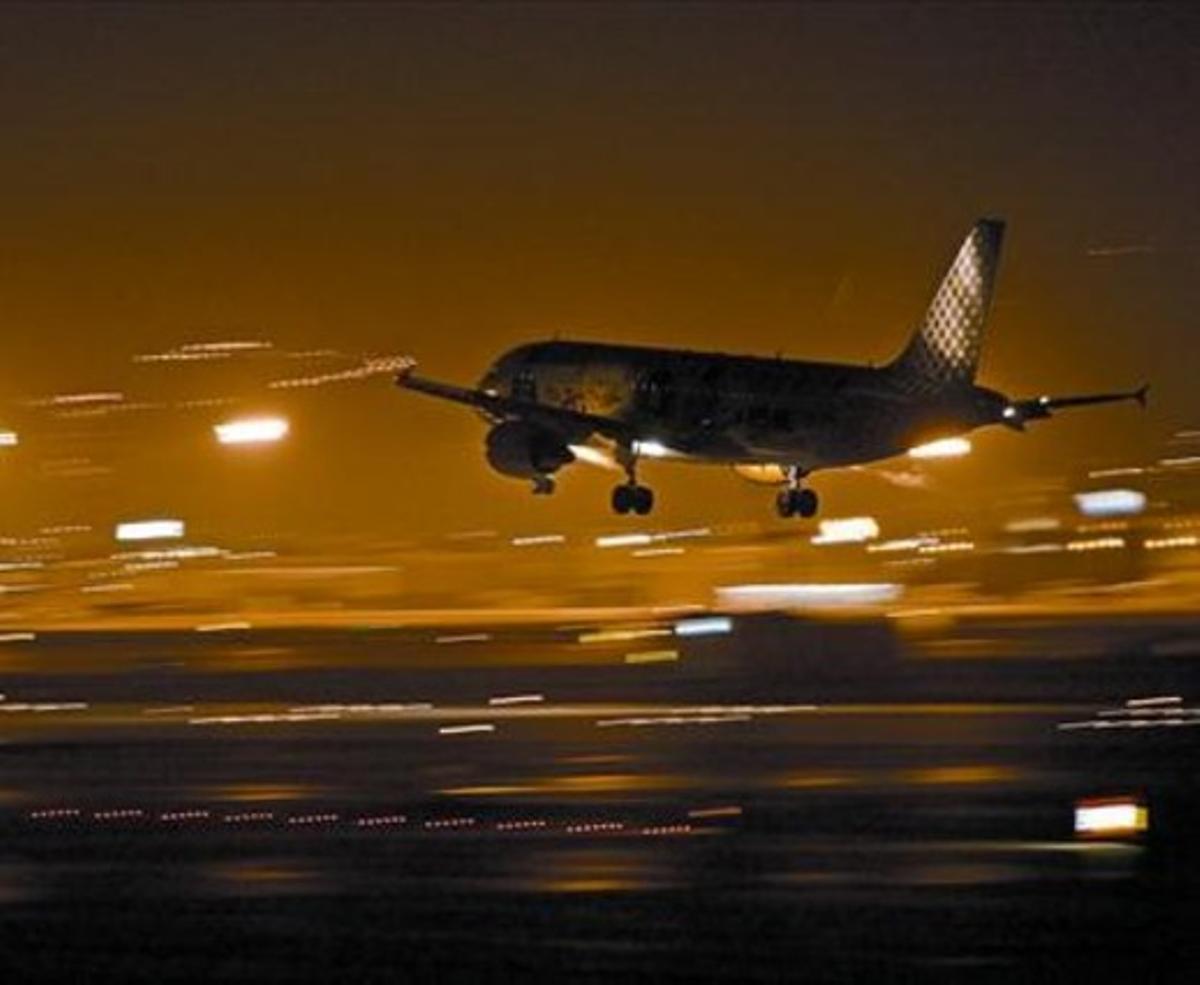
x=945, y=448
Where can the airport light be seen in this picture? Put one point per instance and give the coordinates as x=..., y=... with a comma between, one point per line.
x=150, y=530
x=847, y=530
x=8, y=439
x=704, y=626
x=252, y=431
x=1110, y=502
x=1117, y=818
x=944, y=448
x=807, y=595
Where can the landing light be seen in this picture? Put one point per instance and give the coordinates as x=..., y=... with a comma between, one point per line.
x=652, y=449
x=8, y=439
x=251, y=430
x=945, y=448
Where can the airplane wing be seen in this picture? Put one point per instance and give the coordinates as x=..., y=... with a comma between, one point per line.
x=1020, y=411
x=573, y=425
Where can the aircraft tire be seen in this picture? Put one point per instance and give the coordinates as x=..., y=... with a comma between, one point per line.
x=785, y=504
x=807, y=503
x=643, y=500
x=622, y=499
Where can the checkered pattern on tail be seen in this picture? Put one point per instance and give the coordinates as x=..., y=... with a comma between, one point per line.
x=944, y=351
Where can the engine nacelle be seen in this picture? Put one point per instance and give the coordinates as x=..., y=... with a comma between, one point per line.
x=525, y=451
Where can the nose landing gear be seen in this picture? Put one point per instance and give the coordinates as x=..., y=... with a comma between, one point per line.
x=796, y=500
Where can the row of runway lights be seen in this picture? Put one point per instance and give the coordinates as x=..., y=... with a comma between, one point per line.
x=181, y=818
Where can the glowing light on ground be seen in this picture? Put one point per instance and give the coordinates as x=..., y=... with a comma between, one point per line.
x=1110, y=502
x=749, y=597
x=150, y=530
x=847, y=530
x=945, y=448
x=1115, y=818
x=252, y=431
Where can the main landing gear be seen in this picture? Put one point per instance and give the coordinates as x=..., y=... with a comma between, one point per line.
x=630, y=497
x=543, y=485
x=796, y=500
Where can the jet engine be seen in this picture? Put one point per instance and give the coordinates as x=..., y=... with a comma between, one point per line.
x=526, y=451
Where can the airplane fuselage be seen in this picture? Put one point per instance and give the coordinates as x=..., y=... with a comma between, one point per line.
x=730, y=409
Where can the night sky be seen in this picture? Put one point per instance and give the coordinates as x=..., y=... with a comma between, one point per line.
x=450, y=181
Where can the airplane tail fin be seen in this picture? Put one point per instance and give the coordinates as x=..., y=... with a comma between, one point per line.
x=944, y=350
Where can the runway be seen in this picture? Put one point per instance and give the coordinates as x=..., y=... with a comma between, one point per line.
x=339, y=805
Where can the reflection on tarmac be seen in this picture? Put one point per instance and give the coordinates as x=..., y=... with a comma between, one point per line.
x=331, y=805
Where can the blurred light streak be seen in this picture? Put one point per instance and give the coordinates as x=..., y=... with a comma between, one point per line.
x=1034, y=549
x=1112, y=818
x=901, y=544
x=370, y=367
x=658, y=552
x=1164, y=543
x=465, y=729
x=704, y=626
x=1166, y=699
x=1032, y=525
x=223, y=627
x=768, y=596
x=623, y=540
x=464, y=638
x=1110, y=502
x=251, y=431
x=76, y=399
x=652, y=657
x=1096, y=544
x=538, y=540
x=1180, y=463
x=733, y=810
x=621, y=635
x=954, y=775
x=948, y=547
x=149, y=530
x=847, y=530
x=8, y=439
x=516, y=699
x=944, y=448
x=1116, y=473
x=17, y=638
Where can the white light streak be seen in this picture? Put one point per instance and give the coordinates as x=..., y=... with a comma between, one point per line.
x=1110, y=502
x=252, y=431
x=847, y=530
x=1117, y=818
x=816, y=595
x=8, y=439
x=150, y=530
x=704, y=626
x=465, y=729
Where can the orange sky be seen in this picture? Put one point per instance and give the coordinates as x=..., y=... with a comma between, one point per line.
x=451, y=181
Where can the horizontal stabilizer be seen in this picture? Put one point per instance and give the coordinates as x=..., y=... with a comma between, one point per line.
x=1019, y=411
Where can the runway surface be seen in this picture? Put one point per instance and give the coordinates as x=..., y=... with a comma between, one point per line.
x=508, y=803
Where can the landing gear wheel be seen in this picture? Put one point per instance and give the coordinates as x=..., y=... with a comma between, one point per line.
x=622, y=499
x=643, y=500
x=629, y=498
x=806, y=502
x=543, y=485
x=796, y=502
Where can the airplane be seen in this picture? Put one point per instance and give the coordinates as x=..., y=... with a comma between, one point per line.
x=772, y=418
